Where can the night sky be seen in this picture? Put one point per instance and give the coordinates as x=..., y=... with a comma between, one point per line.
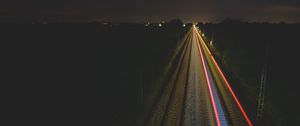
x=150, y=10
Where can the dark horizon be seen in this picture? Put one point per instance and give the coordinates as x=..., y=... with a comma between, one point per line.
x=140, y=21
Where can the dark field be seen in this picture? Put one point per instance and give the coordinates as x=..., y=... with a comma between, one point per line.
x=90, y=73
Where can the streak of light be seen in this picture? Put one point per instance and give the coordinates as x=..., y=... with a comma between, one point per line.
x=227, y=84
x=209, y=86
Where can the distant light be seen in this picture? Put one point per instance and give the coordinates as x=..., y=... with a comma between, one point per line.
x=163, y=22
x=147, y=24
x=159, y=25
x=183, y=25
x=211, y=43
x=203, y=34
x=105, y=23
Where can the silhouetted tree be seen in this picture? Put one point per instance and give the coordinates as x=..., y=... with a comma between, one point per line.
x=231, y=21
x=176, y=26
x=175, y=23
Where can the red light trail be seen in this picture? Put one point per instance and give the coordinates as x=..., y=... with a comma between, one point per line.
x=209, y=86
x=227, y=84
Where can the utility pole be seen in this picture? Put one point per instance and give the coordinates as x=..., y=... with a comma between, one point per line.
x=212, y=39
x=141, y=85
x=261, y=96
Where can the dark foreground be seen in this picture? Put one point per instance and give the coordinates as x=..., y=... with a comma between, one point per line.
x=90, y=74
